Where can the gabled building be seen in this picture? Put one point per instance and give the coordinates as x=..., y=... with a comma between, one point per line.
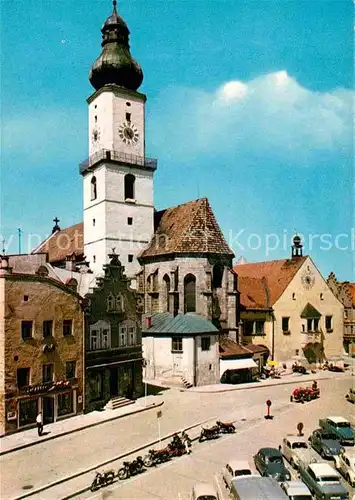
x=345, y=292
x=287, y=306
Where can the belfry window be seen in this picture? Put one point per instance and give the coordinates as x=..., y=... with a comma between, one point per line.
x=129, y=181
x=190, y=293
x=93, y=188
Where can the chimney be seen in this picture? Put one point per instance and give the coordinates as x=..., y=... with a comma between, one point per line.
x=148, y=322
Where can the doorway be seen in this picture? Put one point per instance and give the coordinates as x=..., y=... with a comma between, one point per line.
x=113, y=381
x=48, y=410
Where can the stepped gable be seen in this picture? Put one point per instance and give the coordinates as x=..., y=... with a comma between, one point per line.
x=277, y=275
x=62, y=243
x=187, y=228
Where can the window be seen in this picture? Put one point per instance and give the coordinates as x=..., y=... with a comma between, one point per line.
x=23, y=377
x=248, y=327
x=312, y=324
x=205, y=343
x=309, y=325
x=95, y=385
x=95, y=118
x=65, y=403
x=105, y=338
x=130, y=221
x=47, y=328
x=25, y=298
x=130, y=258
x=217, y=276
x=293, y=296
x=128, y=103
x=110, y=303
x=94, y=259
x=123, y=336
x=321, y=296
x=285, y=324
x=297, y=351
x=93, y=189
x=119, y=303
x=93, y=340
x=345, y=314
x=166, y=290
x=132, y=335
x=70, y=369
x=27, y=411
x=93, y=222
x=259, y=327
x=26, y=329
x=190, y=293
x=316, y=324
x=129, y=181
x=100, y=335
x=47, y=373
x=329, y=323
x=128, y=117
x=67, y=327
x=176, y=344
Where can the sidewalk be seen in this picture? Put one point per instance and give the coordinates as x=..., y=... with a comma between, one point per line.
x=29, y=437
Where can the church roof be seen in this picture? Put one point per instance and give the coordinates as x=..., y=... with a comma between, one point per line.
x=276, y=276
x=182, y=324
x=187, y=228
x=63, y=243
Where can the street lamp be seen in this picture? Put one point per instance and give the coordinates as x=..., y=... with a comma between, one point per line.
x=145, y=363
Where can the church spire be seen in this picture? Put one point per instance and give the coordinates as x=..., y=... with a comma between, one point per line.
x=115, y=65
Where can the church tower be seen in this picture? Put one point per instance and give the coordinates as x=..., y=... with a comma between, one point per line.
x=117, y=177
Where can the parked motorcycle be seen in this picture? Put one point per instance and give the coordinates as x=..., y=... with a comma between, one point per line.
x=155, y=457
x=131, y=468
x=102, y=479
x=225, y=427
x=208, y=433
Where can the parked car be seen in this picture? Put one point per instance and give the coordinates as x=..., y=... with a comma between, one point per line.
x=325, y=443
x=345, y=463
x=296, y=490
x=256, y=487
x=203, y=491
x=351, y=395
x=296, y=449
x=235, y=468
x=269, y=462
x=340, y=427
x=323, y=482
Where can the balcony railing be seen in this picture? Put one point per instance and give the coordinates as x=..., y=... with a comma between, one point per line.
x=119, y=157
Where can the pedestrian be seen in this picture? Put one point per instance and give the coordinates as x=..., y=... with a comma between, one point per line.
x=187, y=442
x=39, y=422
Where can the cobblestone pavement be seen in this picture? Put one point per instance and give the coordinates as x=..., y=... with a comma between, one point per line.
x=32, y=467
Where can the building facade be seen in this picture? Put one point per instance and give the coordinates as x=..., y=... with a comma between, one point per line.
x=41, y=331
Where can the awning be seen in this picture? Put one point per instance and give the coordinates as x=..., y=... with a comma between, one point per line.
x=236, y=364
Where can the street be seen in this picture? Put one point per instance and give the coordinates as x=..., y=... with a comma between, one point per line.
x=45, y=463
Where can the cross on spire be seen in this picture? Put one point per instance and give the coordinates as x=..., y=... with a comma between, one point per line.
x=56, y=227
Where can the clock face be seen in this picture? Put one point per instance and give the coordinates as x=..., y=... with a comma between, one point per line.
x=128, y=133
x=308, y=279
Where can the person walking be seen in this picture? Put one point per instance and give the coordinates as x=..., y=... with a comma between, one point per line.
x=39, y=422
x=187, y=442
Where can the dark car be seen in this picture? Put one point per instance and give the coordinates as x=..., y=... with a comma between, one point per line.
x=269, y=462
x=325, y=443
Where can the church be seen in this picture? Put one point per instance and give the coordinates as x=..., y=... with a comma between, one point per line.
x=177, y=259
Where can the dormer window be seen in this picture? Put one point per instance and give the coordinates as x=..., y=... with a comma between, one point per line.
x=110, y=303
x=119, y=303
x=93, y=189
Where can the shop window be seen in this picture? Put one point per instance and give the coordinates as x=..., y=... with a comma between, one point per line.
x=329, y=323
x=190, y=293
x=28, y=411
x=47, y=373
x=285, y=324
x=206, y=343
x=65, y=403
x=23, y=377
x=129, y=182
x=95, y=383
x=67, y=327
x=176, y=344
x=70, y=369
x=26, y=329
x=47, y=328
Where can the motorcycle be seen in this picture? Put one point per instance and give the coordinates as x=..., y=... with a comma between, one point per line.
x=209, y=433
x=155, y=457
x=131, y=468
x=225, y=427
x=102, y=479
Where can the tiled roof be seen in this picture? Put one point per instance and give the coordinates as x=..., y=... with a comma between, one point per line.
x=277, y=275
x=253, y=293
x=63, y=243
x=187, y=228
x=183, y=324
x=351, y=288
x=227, y=348
x=257, y=348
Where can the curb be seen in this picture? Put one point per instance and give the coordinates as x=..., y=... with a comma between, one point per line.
x=97, y=466
x=252, y=387
x=71, y=431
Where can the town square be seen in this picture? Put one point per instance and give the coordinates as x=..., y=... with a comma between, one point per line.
x=177, y=302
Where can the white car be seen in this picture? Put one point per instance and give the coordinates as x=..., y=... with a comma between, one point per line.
x=296, y=490
x=235, y=468
x=296, y=450
x=345, y=463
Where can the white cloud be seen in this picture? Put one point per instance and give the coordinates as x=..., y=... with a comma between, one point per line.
x=270, y=115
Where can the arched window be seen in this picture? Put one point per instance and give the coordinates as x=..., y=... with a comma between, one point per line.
x=190, y=293
x=217, y=276
x=110, y=303
x=166, y=296
x=93, y=188
x=119, y=303
x=129, y=181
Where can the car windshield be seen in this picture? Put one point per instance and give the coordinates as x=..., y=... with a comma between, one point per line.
x=301, y=497
x=244, y=472
x=328, y=479
x=329, y=436
x=275, y=460
x=343, y=425
x=207, y=497
x=299, y=445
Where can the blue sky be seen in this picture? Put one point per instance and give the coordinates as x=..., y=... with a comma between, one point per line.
x=249, y=104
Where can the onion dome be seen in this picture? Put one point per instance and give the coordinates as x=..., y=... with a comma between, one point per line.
x=115, y=65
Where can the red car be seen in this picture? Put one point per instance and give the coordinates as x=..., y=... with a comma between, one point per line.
x=302, y=394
